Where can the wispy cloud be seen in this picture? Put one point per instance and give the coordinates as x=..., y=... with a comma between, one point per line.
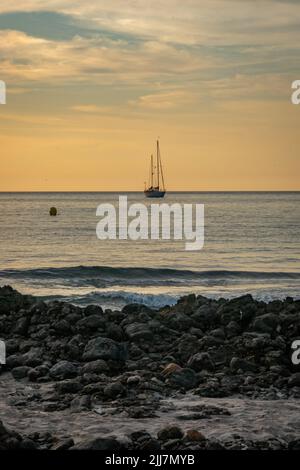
x=158, y=59
x=168, y=100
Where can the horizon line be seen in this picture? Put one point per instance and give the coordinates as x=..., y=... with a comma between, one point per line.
x=168, y=192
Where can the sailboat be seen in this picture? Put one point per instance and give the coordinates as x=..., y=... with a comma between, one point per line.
x=156, y=187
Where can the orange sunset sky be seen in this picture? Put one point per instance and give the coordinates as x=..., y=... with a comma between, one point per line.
x=91, y=85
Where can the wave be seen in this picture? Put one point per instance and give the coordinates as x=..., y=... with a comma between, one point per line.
x=139, y=273
x=117, y=299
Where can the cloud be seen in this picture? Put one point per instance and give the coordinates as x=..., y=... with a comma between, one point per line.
x=209, y=22
x=151, y=51
x=168, y=100
x=98, y=60
x=91, y=108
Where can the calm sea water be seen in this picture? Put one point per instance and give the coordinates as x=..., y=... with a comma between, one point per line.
x=252, y=245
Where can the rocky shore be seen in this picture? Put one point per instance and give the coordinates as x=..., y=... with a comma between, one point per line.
x=170, y=374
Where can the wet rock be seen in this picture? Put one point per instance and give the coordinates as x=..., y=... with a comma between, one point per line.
x=95, y=367
x=134, y=380
x=170, y=432
x=294, y=380
x=104, y=444
x=194, y=436
x=266, y=323
x=105, y=348
x=201, y=361
x=64, y=444
x=92, y=322
x=170, y=369
x=22, y=326
x=184, y=378
x=32, y=358
x=20, y=372
x=150, y=445
x=63, y=370
x=63, y=328
x=68, y=386
x=81, y=403
x=93, y=310
x=179, y=321
x=115, y=332
x=138, y=331
x=134, y=308
x=114, y=390
x=237, y=364
x=38, y=372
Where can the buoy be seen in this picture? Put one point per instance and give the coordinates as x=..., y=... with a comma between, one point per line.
x=53, y=211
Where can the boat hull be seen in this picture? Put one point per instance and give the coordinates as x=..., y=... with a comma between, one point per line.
x=154, y=193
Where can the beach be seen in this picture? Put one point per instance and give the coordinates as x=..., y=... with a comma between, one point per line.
x=201, y=374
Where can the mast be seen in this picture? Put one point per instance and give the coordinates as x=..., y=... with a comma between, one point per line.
x=162, y=175
x=151, y=171
x=157, y=161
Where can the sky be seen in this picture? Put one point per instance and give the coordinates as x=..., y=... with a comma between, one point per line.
x=92, y=85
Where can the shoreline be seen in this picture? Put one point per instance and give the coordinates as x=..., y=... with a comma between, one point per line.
x=201, y=374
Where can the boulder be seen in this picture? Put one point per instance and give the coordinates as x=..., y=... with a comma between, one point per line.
x=170, y=432
x=138, y=331
x=92, y=322
x=184, y=378
x=237, y=364
x=201, y=361
x=63, y=370
x=95, y=367
x=20, y=372
x=294, y=380
x=93, y=310
x=114, y=390
x=105, y=348
x=100, y=443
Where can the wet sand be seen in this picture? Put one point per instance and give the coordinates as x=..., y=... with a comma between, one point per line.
x=250, y=419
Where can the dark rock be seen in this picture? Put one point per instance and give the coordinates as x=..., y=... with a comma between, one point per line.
x=104, y=444
x=20, y=372
x=28, y=444
x=194, y=436
x=151, y=445
x=114, y=390
x=138, y=331
x=201, y=361
x=170, y=432
x=184, y=378
x=266, y=323
x=64, y=444
x=68, y=386
x=105, y=348
x=237, y=364
x=93, y=310
x=92, y=322
x=81, y=403
x=22, y=326
x=294, y=380
x=115, y=332
x=63, y=370
x=132, y=308
x=33, y=357
x=95, y=367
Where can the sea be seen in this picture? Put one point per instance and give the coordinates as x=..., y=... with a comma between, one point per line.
x=251, y=246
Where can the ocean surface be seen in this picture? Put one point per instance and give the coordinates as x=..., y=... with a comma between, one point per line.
x=252, y=245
